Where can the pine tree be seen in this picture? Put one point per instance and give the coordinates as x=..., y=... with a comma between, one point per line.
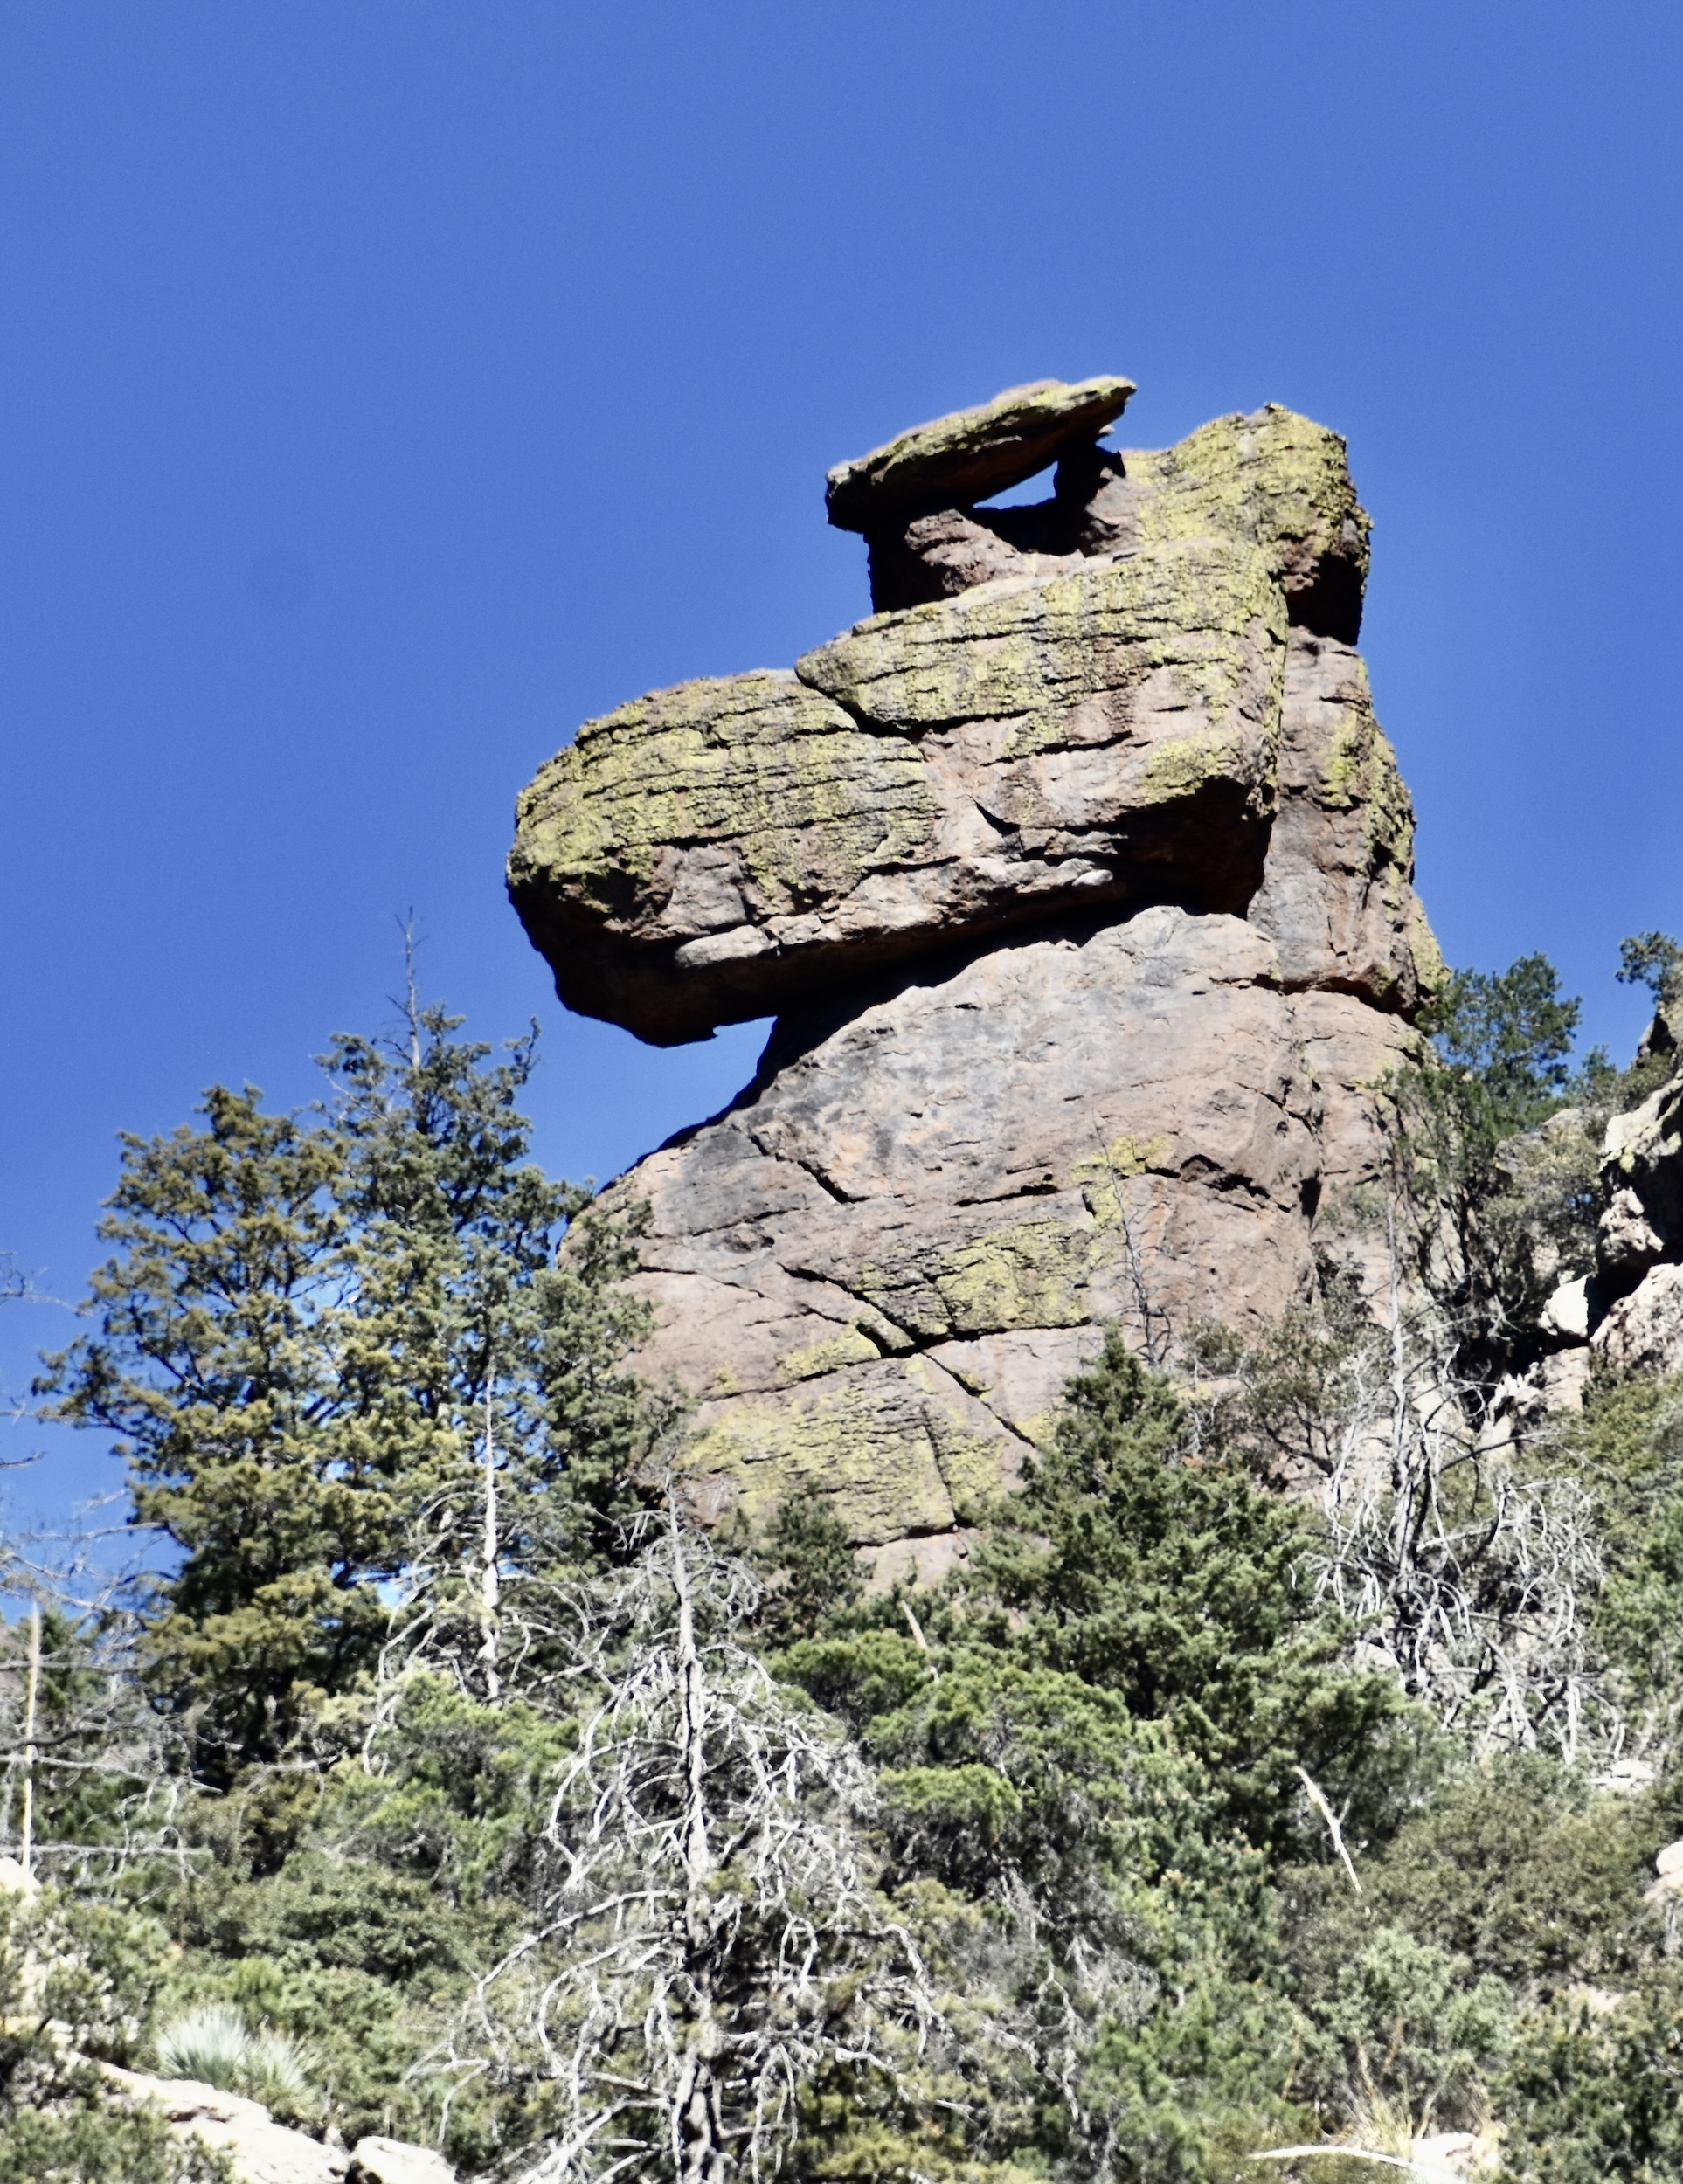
x=346, y=1370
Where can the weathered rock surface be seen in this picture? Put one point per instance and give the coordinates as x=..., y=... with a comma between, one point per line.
x=974, y=453
x=729, y=848
x=1644, y=1331
x=1642, y=1173
x=1273, y=480
x=877, y=1269
x=1084, y=892
x=1337, y=897
x=260, y=2151
x=1634, y=1303
x=392, y=2162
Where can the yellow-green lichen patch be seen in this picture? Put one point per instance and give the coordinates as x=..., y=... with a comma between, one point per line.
x=1358, y=772
x=1180, y=765
x=811, y=801
x=1029, y=1273
x=1122, y=1159
x=865, y=1447
x=973, y=1466
x=852, y=1347
x=1030, y=652
x=1275, y=480
x=1430, y=969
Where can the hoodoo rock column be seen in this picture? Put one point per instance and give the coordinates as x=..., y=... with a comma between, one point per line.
x=1080, y=881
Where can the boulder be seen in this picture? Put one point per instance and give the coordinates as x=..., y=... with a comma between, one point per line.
x=1274, y=480
x=730, y=848
x=259, y=2150
x=877, y=1269
x=1642, y=1177
x=1644, y=1331
x=1565, y=1318
x=974, y=453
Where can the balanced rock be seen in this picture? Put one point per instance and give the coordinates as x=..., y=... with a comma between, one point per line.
x=1103, y=728
x=727, y=849
x=1272, y=480
x=974, y=453
x=1083, y=895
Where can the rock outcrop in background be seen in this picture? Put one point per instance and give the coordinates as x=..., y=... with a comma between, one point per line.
x=1628, y=1314
x=1078, y=878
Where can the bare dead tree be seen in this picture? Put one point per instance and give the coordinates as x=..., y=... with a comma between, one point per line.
x=1464, y=1557
x=705, y=1941
x=1464, y=1560
x=93, y=1779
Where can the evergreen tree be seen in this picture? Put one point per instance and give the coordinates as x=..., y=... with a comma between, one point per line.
x=1498, y=1066
x=1176, y=1580
x=338, y=1351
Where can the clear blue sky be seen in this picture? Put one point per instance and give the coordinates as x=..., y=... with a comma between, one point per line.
x=386, y=386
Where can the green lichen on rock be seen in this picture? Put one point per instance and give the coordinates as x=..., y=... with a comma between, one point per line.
x=1359, y=772
x=1181, y=765
x=970, y=1463
x=1027, y=1274
x=1204, y=609
x=1430, y=970
x=863, y=1444
x=852, y=1347
x=1122, y=1160
x=760, y=764
x=1275, y=480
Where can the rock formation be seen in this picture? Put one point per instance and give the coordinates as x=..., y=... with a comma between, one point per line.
x=1631, y=1307
x=1078, y=878
x=260, y=2151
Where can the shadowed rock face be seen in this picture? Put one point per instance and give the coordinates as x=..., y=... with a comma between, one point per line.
x=1080, y=884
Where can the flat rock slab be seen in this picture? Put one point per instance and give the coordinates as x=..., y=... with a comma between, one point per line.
x=258, y=2150
x=735, y=847
x=877, y=1271
x=974, y=453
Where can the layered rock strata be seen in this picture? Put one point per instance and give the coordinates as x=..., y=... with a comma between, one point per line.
x=1081, y=888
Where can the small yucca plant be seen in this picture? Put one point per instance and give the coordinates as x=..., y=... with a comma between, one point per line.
x=276, y=2071
x=208, y=2043
x=214, y=2044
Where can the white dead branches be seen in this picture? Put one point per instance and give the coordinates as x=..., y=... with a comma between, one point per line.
x=1464, y=1560
x=705, y=1942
